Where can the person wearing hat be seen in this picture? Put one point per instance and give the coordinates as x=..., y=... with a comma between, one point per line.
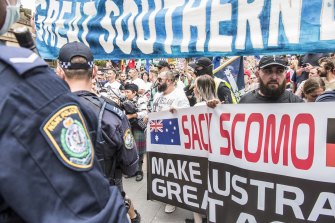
x=272, y=83
x=115, y=145
x=163, y=66
x=223, y=89
x=138, y=119
x=49, y=171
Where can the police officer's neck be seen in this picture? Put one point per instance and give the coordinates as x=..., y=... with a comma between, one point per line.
x=80, y=85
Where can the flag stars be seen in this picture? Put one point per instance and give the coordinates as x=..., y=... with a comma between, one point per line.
x=166, y=130
x=174, y=128
x=170, y=122
x=171, y=140
x=156, y=138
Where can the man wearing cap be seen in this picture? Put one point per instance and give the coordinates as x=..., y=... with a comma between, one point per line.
x=223, y=89
x=163, y=66
x=272, y=83
x=138, y=120
x=49, y=172
x=115, y=146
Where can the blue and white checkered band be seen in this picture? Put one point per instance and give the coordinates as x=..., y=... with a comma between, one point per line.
x=69, y=65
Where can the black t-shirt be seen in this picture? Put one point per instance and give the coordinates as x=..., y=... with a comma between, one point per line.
x=255, y=97
x=224, y=93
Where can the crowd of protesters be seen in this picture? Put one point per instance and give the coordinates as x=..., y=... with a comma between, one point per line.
x=269, y=79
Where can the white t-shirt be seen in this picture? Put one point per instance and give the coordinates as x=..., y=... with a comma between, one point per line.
x=176, y=99
x=115, y=86
x=140, y=83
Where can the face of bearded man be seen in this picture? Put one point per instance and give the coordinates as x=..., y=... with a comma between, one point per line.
x=323, y=71
x=272, y=92
x=162, y=87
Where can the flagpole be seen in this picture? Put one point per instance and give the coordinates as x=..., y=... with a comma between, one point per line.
x=225, y=64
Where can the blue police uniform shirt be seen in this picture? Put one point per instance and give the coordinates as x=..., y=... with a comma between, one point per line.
x=117, y=128
x=48, y=169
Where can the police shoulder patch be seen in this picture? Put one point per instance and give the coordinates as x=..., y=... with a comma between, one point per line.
x=66, y=133
x=128, y=139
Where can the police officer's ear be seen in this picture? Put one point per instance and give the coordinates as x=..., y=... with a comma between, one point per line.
x=95, y=71
x=60, y=72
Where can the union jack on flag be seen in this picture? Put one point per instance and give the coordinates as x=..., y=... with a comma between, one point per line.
x=156, y=125
x=165, y=132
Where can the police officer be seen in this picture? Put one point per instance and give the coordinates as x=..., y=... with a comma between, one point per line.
x=48, y=170
x=116, y=145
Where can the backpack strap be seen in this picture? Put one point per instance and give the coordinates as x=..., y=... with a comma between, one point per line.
x=100, y=138
x=109, y=170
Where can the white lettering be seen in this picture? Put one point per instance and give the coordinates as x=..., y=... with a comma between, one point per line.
x=261, y=187
x=157, y=167
x=162, y=190
x=327, y=20
x=73, y=25
x=106, y=23
x=248, y=13
x=61, y=41
x=129, y=7
x=212, y=208
x=194, y=172
x=244, y=195
x=176, y=191
x=90, y=10
x=290, y=12
x=216, y=188
x=188, y=196
x=190, y=20
x=170, y=169
x=246, y=218
x=146, y=45
x=181, y=170
x=319, y=209
x=293, y=203
x=171, y=6
x=219, y=13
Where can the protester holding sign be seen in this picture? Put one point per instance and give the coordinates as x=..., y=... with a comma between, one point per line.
x=272, y=83
x=169, y=98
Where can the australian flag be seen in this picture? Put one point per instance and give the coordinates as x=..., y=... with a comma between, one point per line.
x=165, y=132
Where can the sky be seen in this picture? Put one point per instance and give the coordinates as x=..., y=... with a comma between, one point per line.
x=28, y=4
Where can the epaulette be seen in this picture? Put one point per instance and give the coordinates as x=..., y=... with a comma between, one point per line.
x=21, y=59
x=115, y=110
x=110, y=107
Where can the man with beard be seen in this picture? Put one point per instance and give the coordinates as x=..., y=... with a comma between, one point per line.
x=327, y=65
x=272, y=83
x=169, y=98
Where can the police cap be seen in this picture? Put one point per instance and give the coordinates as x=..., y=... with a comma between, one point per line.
x=70, y=50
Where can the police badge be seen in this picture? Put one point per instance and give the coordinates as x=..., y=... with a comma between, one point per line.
x=128, y=139
x=66, y=133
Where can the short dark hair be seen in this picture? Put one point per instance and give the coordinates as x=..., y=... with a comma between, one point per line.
x=78, y=73
x=329, y=63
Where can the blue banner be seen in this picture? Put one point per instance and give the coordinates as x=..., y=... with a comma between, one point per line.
x=186, y=28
